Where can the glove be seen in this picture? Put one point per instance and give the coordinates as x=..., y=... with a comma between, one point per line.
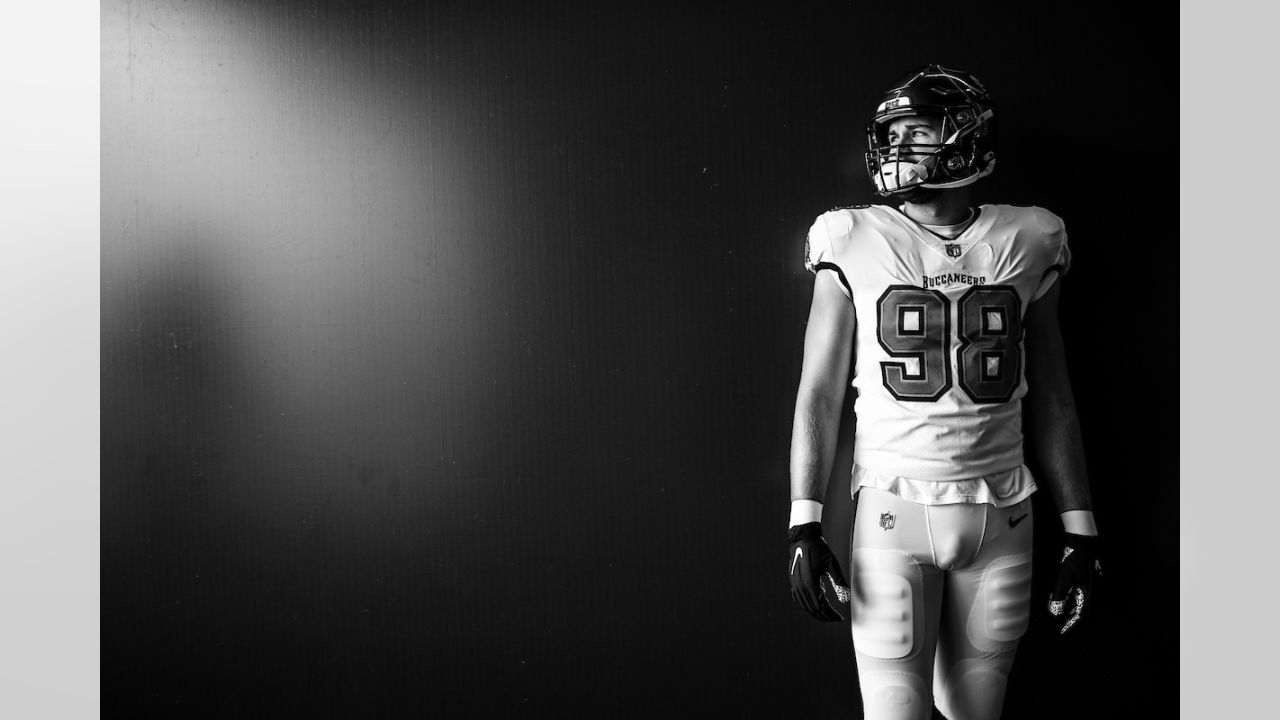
x=813, y=568
x=1076, y=571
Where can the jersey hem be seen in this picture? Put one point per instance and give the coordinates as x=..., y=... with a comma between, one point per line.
x=1001, y=489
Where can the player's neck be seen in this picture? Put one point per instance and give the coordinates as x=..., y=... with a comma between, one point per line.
x=946, y=208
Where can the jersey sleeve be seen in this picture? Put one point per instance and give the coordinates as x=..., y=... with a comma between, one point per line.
x=819, y=254
x=1057, y=252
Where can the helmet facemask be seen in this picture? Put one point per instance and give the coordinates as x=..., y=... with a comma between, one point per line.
x=966, y=152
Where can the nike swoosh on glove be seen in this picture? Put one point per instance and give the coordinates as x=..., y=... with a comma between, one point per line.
x=813, y=568
x=1074, y=589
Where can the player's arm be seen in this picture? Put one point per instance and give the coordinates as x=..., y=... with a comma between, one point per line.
x=1052, y=422
x=828, y=348
x=1054, y=434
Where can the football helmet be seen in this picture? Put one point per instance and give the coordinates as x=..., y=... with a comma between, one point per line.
x=967, y=151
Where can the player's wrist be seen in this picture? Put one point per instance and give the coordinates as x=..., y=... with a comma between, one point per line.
x=1079, y=522
x=808, y=532
x=1081, y=542
x=805, y=511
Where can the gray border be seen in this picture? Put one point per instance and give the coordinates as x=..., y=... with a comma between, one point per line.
x=49, y=509
x=1228, y=485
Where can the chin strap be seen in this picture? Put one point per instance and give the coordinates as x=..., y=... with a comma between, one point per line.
x=900, y=174
x=963, y=181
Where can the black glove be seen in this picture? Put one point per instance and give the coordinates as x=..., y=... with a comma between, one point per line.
x=1074, y=589
x=813, y=567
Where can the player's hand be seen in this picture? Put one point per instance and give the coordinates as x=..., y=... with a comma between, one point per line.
x=1073, y=592
x=813, y=568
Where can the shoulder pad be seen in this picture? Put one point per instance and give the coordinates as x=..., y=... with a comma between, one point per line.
x=1033, y=217
x=841, y=220
x=1047, y=221
x=838, y=221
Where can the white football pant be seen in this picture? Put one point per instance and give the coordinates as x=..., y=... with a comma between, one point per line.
x=941, y=595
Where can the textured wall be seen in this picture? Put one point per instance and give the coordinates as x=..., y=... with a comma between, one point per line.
x=449, y=353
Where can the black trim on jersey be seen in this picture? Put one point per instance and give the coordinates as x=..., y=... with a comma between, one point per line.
x=849, y=207
x=986, y=325
x=902, y=315
x=833, y=266
x=977, y=212
x=999, y=374
x=1060, y=268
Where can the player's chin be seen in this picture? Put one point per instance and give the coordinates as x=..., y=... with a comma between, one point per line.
x=917, y=195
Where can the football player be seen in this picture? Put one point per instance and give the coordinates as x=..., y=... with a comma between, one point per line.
x=949, y=314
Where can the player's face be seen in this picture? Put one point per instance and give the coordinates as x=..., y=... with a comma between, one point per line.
x=914, y=130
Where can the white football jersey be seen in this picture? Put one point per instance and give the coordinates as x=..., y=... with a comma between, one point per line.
x=939, y=365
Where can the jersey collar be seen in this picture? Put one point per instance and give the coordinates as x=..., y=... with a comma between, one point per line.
x=950, y=248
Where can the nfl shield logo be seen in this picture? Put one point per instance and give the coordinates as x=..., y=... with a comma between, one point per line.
x=953, y=250
x=887, y=520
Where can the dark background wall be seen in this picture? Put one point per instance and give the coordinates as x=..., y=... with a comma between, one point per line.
x=449, y=350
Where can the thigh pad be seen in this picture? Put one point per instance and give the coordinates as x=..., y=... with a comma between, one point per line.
x=1002, y=607
x=886, y=603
